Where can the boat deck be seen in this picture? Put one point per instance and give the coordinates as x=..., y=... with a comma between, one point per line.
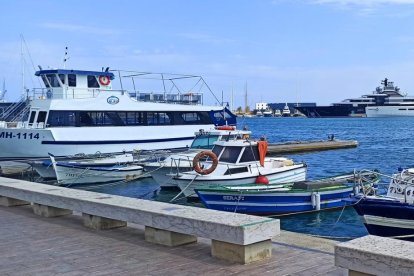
x=304, y=146
x=33, y=245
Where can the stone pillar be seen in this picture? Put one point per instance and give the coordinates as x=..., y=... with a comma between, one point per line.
x=101, y=223
x=9, y=202
x=243, y=254
x=49, y=211
x=168, y=238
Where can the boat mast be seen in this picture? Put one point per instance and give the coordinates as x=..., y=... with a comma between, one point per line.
x=65, y=58
x=22, y=60
x=245, y=97
x=232, y=98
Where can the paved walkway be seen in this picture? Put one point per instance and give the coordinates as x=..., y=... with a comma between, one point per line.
x=32, y=245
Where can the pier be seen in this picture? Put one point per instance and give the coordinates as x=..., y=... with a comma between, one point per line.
x=309, y=146
x=49, y=230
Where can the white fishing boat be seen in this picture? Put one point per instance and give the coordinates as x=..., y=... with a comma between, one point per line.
x=163, y=170
x=238, y=162
x=278, y=113
x=78, y=111
x=93, y=171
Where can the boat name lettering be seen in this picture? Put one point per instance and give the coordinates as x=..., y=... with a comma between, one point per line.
x=238, y=198
x=11, y=135
x=113, y=100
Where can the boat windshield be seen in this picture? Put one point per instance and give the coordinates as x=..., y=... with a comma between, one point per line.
x=230, y=154
x=204, y=141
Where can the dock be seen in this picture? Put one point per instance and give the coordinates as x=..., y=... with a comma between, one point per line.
x=33, y=245
x=309, y=146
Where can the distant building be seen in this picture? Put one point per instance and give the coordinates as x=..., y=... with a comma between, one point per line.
x=291, y=106
x=260, y=106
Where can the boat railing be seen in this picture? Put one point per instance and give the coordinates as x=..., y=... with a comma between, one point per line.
x=69, y=93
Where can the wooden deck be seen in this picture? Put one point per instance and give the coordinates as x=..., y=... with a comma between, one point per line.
x=33, y=245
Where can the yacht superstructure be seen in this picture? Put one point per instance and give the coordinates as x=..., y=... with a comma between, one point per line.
x=79, y=112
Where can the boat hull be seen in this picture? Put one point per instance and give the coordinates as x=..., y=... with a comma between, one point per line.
x=390, y=111
x=21, y=143
x=70, y=175
x=283, y=176
x=387, y=218
x=272, y=203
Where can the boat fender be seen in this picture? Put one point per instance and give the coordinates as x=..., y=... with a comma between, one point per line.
x=316, y=201
x=199, y=168
x=261, y=179
x=104, y=80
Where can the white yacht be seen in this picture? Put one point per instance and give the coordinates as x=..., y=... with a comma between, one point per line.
x=79, y=112
x=390, y=102
x=278, y=113
x=286, y=111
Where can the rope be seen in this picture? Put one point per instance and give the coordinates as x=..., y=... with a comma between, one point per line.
x=182, y=191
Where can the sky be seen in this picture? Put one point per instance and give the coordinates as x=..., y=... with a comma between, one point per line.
x=319, y=51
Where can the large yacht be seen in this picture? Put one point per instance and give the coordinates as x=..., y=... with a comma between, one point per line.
x=386, y=100
x=79, y=112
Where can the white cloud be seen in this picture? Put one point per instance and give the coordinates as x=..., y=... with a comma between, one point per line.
x=367, y=3
x=204, y=38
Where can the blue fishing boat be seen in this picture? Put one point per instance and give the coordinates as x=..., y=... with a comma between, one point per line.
x=390, y=215
x=274, y=199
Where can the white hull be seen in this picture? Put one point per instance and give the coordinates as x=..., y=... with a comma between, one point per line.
x=89, y=175
x=285, y=175
x=390, y=111
x=89, y=140
x=46, y=172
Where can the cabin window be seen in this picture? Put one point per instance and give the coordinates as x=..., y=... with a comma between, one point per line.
x=32, y=117
x=230, y=154
x=217, y=150
x=62, y=78
x=61, y=118
x=53, y=80
x=45, y=81
x=72, y=80
x=41, y=117
x=134, y=118
x=204, y=141
x=250, y=154
x=190, y=117
x=158, y=118
x=93, y=82
x=231, y=171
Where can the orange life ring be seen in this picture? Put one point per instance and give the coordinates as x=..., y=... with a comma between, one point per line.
x=226, y=128
x=196, y=162
x=104, y=80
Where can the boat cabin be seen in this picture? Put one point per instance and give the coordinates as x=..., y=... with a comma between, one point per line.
x=72, y=84
x=206, y=139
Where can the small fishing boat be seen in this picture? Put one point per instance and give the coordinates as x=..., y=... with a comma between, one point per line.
x=390, y=215
x=276, y=199
x=92, y=171
x=162, y=170
x=237, y=162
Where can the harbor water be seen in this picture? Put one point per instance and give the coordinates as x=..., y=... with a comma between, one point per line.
x=384, y=144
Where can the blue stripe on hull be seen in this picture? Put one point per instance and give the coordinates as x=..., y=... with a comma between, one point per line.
x=103, y=142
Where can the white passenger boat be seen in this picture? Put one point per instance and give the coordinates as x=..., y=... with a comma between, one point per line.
x=79, y=112
x=92, y=171
x=163, y=170
x=238, y=162
x=286, y=111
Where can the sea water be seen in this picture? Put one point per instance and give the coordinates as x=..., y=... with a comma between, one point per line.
x=384, y=144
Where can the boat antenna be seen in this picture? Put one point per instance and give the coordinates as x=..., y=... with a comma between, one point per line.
x=66, y=57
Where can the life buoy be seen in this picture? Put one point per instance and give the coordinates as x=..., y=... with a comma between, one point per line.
x=196, y=162
x=104, y=80
x=226, y=128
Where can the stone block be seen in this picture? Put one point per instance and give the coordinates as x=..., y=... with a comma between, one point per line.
x=373, y=255
x=49, y=211
x=101, y=223
x=243, y=254
x=168, y=238
x=9, y=202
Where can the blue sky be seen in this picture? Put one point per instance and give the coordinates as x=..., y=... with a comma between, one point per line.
x=286, y=50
